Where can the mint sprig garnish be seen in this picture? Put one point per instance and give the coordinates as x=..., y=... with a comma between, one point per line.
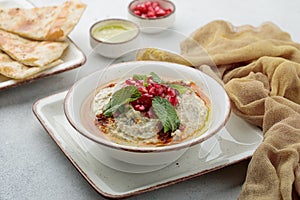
x=162, y=107
x=120, y=98
x=166, y=114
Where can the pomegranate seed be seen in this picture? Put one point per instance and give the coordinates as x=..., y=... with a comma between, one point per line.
x=171, y=92
x=137, y=107
x=130, y=82
x=147, y=95
x=139, y=83
x=150, y=9
x=155, y=4
x=150, y=81
x=150, y=85
x=168, y=11
x=173, y=100
x=143, y=8
x=137, y=12
x=156, y=85
x=141, y=108
x=142, y=89
x=152, y=91
x=145, y=100
x=138, y=7
x=160, y=13
x=159, y=89
x=151, y=14
x=148, y=4
x=156, y=8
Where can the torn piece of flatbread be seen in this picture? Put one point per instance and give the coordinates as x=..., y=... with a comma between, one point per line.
x=31, y=53
x=16, y=70
x=42, y=23
x=161, y=55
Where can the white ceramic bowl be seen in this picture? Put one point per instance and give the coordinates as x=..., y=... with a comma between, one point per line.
x=113, y=38
x=152, y=25
x=146, y=155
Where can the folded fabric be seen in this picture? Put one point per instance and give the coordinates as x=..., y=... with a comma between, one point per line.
x=267, y=76
x=227, y=44
x=261, y=74
x=274, y=171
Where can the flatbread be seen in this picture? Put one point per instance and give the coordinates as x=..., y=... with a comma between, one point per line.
x=160, y=55
x=16, y=70
x=31, y=53
x=42, y=23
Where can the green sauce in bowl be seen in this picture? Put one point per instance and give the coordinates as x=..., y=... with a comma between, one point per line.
x=114, y=32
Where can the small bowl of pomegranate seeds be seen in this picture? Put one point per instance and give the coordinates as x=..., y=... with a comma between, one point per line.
x=146, y=113
x=152, y=16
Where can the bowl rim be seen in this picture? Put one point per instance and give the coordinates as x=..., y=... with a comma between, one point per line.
x=142, y=149
x=152, y=19
x=114, y=19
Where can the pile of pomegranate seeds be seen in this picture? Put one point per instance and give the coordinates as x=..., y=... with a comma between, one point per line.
x=150, y=90
x=151, y=9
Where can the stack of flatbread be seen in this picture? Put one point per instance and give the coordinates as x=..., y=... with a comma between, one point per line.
x=34, y=39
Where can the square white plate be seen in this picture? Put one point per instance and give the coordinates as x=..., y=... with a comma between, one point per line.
x=73, y=57
x=235, y=142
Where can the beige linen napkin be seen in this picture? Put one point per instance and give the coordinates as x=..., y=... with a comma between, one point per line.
x=227, y=44
x=260, y=70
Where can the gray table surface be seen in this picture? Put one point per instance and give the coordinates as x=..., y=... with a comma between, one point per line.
x=31, y=164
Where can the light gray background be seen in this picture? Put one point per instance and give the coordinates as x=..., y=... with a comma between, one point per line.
x=31, y=164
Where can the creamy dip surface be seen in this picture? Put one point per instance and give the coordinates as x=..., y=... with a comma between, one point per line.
x=115, y=32
x=132, y=127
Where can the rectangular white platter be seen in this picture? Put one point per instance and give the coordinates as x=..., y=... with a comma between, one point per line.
x=235, y=142
x=73, y=57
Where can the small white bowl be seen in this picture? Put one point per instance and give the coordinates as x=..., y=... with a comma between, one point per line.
x=152, y=25
x=113, y=38
x=144, y=155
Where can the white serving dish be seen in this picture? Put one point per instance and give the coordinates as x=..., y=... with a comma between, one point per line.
x=230, y=145
x=147, y=155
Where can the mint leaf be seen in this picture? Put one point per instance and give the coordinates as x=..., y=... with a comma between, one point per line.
x=180, y=88
x=156, y=78
x=140, y=77
x=121, y=97
x=166, y=114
